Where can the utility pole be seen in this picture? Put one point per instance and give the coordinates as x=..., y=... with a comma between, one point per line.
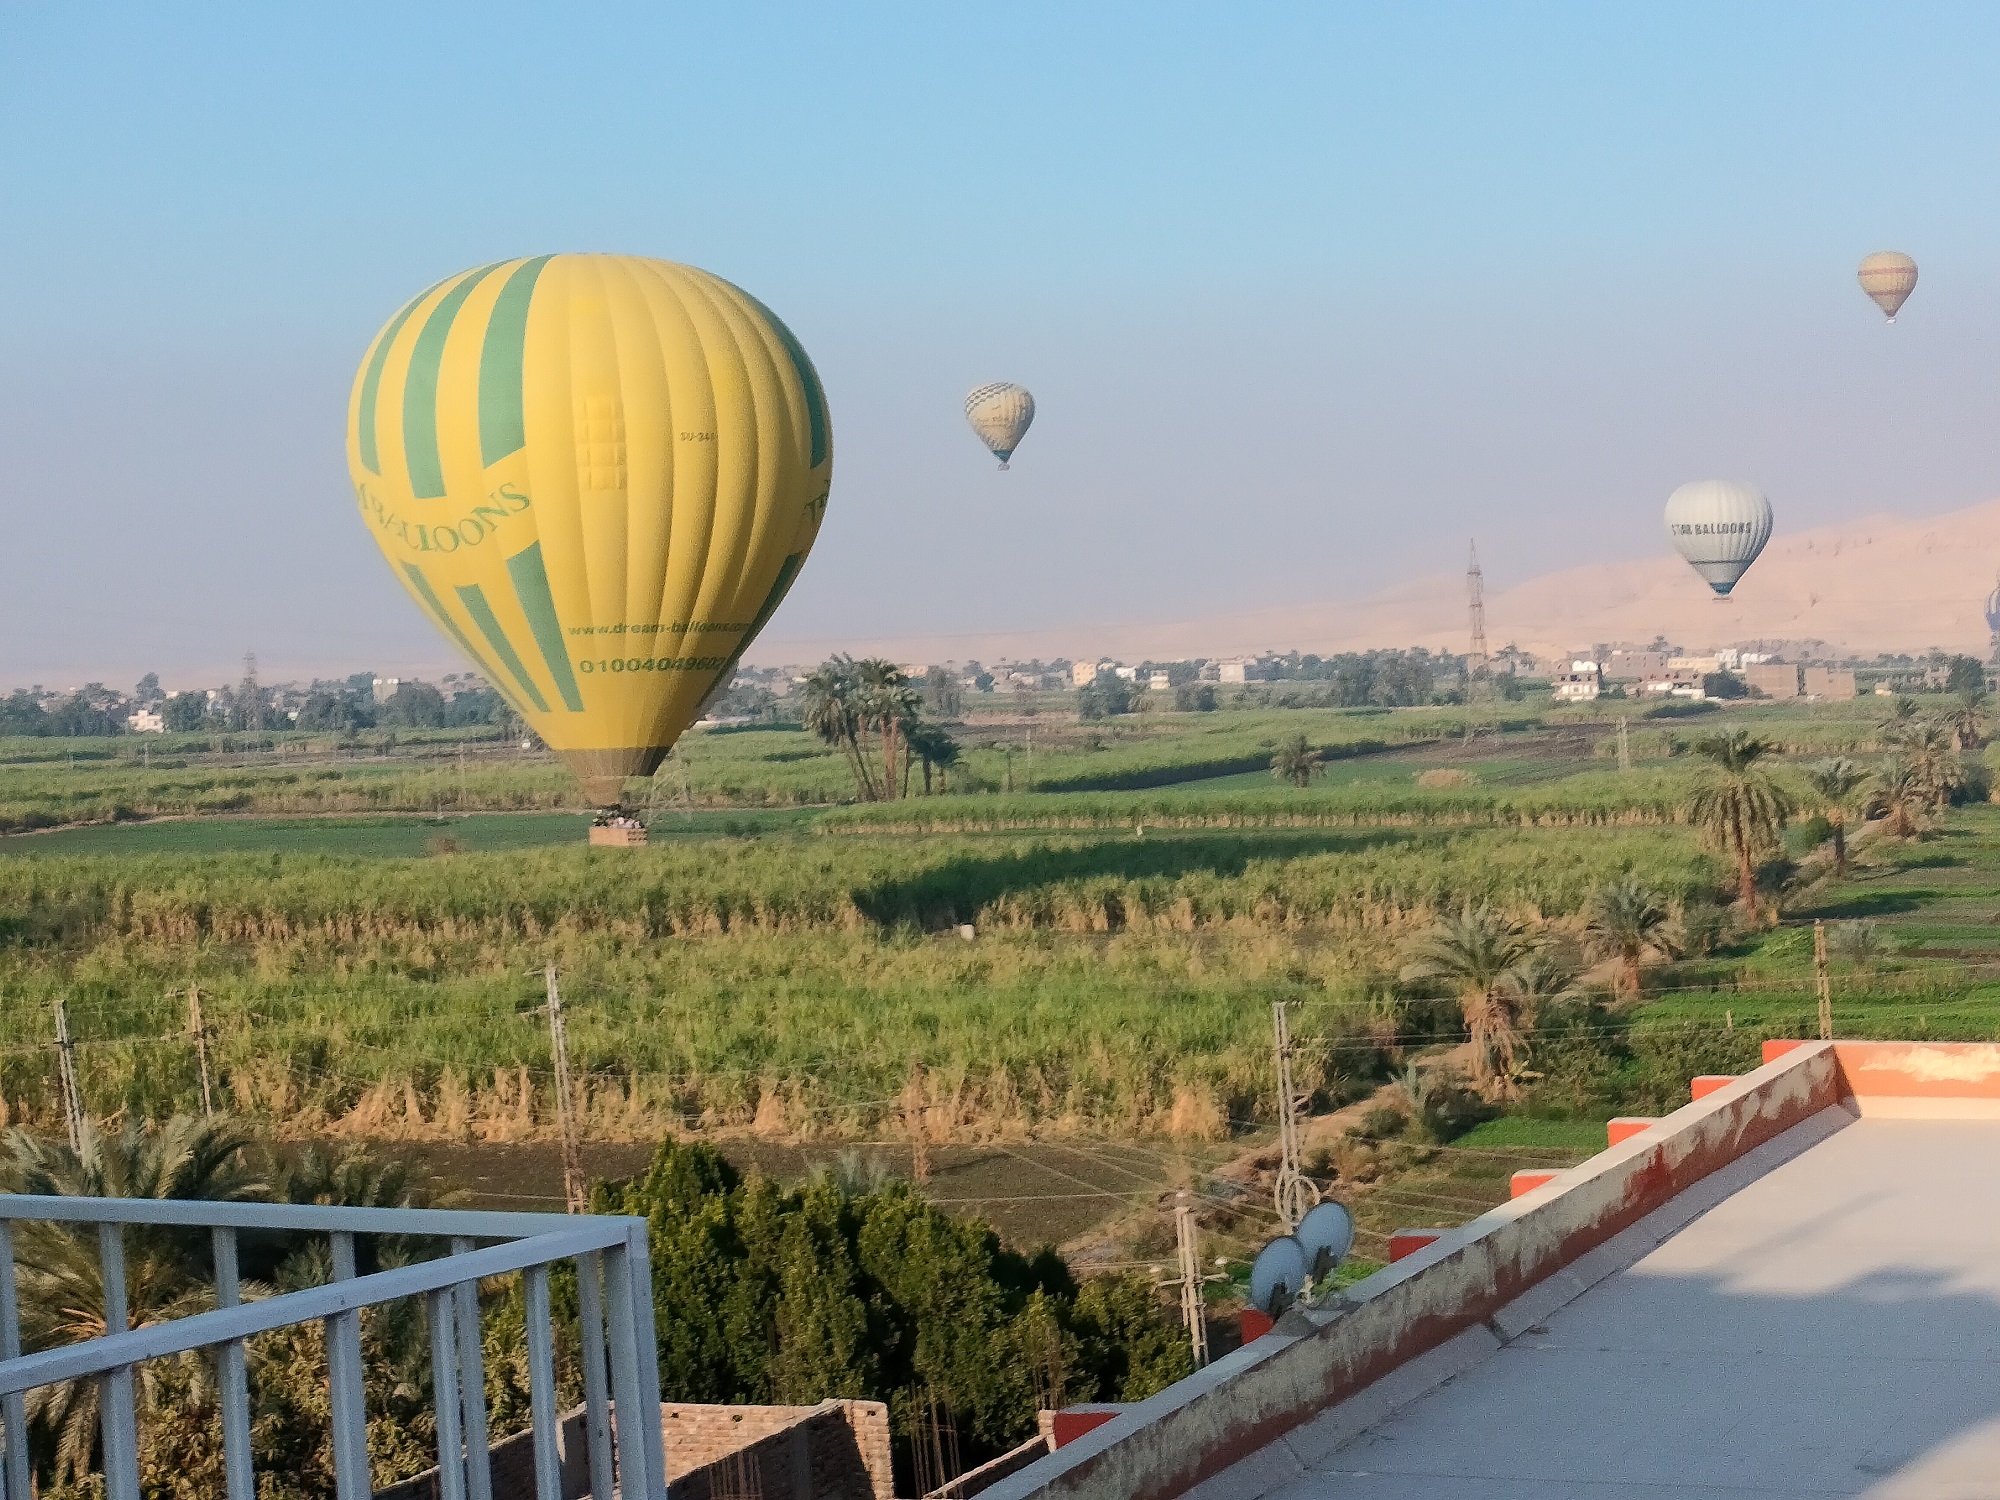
x=1624, y=745
x=572, y=1150
x=1475, y=608
x=66, y=1069
x=201, y=1048
x=1825, y=988
x=1194, y=1311
x=252, y=694
x=1294, y=1191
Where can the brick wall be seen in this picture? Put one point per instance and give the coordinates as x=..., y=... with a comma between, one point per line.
x=838, y=1450
x=1774, y=679
x=513, y=1463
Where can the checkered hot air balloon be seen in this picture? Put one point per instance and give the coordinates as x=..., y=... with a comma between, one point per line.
x=1000, y=414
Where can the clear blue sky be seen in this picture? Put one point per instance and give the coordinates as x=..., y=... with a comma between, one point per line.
x=1307, y=294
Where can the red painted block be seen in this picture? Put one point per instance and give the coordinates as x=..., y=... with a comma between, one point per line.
x=1072, y=1422
x=1409, y=1241
x=1523, y=1183
x=1708, y=1083
x=1773, y=1050
x=1622, y=1129
x=1254, y=1324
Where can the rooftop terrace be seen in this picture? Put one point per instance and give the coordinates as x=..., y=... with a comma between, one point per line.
x=1791, y=1287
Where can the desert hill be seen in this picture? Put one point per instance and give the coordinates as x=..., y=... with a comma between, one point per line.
x=1883, y=583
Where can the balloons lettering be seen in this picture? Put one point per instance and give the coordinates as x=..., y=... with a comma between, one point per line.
x=1719, y=526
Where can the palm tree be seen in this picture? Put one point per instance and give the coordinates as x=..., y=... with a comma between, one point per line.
x=1628, y=921
x=1899, y=791
x=1967, y=721
x=1740, y=811
x=168, y=1272
x=1546, y=977
x=1928, y=745
x=1480, y=954
x=1835, y=781
x=887, y=702
x=1297, y=761
x=933, y=746
x=829, y=709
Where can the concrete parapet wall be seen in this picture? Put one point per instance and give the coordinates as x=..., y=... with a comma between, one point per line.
x=1318, y=1357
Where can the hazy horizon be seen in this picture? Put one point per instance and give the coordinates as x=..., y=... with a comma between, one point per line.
x=1306, y=296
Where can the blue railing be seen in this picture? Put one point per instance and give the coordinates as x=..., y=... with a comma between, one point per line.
x=620, y=1363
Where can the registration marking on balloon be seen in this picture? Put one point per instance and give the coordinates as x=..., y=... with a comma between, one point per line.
x=564, y=448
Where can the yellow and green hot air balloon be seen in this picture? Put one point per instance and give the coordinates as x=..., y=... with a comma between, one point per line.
x=598, y=475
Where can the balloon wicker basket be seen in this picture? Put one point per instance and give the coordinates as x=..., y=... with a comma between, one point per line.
x=606, y=836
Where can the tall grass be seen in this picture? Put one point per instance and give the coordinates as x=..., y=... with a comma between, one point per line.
x=1590, y=799
x=786, y=985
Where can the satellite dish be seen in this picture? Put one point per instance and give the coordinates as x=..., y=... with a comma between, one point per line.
x=1327, y=1232
x=1277, y=1275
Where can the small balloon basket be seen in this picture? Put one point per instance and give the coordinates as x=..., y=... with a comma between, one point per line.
x=616, y=831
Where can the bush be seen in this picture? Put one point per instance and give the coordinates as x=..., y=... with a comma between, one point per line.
x=1675, y=709
x=767, y=1295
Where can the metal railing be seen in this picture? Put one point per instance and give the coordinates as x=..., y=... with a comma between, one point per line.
x=615, y=1302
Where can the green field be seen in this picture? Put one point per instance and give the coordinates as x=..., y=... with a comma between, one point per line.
x=798, y=972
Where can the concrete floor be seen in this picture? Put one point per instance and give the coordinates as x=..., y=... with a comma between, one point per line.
x=1832, y=1329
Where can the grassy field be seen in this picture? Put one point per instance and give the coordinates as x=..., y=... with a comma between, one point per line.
x=1113, y=982
x=796, y=973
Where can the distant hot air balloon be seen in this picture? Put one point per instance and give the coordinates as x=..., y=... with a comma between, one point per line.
x=1888, y=277
x=1719, y=526
x=598, y=475
x=1993, y=613
x=1000, y=414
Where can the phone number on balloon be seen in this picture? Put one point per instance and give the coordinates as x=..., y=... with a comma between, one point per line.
x=653, y=664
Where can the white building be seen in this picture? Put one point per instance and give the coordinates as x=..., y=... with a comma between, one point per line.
x=1580, y=684
x=1082, y=674
x=1233, y=671
x=146, y=721
x=1159, y=682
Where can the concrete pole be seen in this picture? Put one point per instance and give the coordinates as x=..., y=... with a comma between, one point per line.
x=1194, y=1311
x=201, y=1048
x=572, y=1146
x=72, y=1091
x=1825, y=987
x=1294, y=1192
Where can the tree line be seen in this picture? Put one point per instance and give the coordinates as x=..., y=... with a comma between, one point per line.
x=1508, y=974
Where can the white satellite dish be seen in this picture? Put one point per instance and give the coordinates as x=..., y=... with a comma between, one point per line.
x=1277, y=1275
x=1327, y=1232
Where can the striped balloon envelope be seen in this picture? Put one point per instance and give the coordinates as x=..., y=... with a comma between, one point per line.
x=598, y=475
